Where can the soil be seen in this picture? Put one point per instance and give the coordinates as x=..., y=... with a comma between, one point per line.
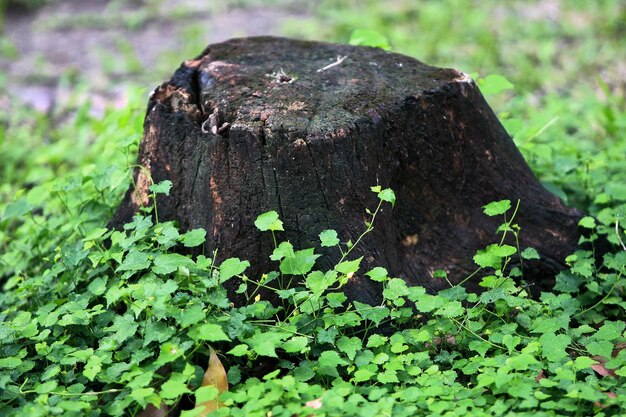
x=113, y=44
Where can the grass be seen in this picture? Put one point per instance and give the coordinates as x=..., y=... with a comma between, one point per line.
x=95, y=322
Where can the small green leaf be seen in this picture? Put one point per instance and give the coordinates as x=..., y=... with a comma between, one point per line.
x=388, y=195
x=497, y=207
x=587, y=222
x=347, y=267
x=268, y=221
x=162, y=188
x=494, y=84
x=530, y=253
x=193, y=238
x=378, y=274
x=46, y=387
x=239, y=350
x=329, y=238
x=368, y=37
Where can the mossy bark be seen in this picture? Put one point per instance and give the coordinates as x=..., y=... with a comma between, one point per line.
x=253, y=125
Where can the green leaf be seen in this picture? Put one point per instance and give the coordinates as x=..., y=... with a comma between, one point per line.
x=98, y=286
x=494, y=84
x=296, y=344
x=328, y=362
x=166, y=263
x=265, y=344
x=174, y=387
x=587, y=222
x=46, y=387
x=368, y=37
x=209, y=332
x=269, y=221
x=284, y=250
x=193, y=238
x=231, y=267
x=388, y=195
x=300, y=264
x=239, y=350
x=10, y=362
x=16, y=209
x=349, y=345
x=553, y=346
x=497, y=207
x=192, y=315
x=600, y=348
x=161, y=188
x=610, y=330
x=168, y=353
x=135, y=260
x=530, y=253
x=377, y=274
x=347, y=267
x=583, y=362
x=329, y=238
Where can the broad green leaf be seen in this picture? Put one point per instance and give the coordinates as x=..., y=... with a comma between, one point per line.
x=209, y=332
x=349, y=345
x=347, y=267
x=16, y=209
x=329, y=238
x=328, y=363
x=554, y=346
x=98, y=286
x=192, y=315
x=174, y=387
x=169, y=352
x=296, y=344
x=193, y=238
x=46, y=387
x=239, y=350
x=265, y=344
x=497, y=207
x=610, y=330
x=231, y=267
x=166, y=263
x=300, y=264
x=269, y=221
x=135, y=260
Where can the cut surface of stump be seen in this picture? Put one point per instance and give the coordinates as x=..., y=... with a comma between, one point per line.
x=259, y=124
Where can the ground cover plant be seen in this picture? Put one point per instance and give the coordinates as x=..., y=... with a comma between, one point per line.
x=96, y=322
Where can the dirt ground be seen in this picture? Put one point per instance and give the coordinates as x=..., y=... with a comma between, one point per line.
x=111, y=44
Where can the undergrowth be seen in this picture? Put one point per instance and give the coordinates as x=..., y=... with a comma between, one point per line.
x=97, y=322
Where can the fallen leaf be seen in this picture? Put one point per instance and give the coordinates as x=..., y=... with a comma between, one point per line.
x=215, y=376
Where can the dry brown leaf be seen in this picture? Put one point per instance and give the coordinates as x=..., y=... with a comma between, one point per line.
x=215, y=376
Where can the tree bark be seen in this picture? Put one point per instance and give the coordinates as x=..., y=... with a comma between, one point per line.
x=255, y=124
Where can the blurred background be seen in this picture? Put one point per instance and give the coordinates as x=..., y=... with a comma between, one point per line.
x=50, y=46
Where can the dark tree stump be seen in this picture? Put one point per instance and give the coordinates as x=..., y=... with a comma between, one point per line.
x=251, y=125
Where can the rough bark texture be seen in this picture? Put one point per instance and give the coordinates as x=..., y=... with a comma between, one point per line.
x=251, y=125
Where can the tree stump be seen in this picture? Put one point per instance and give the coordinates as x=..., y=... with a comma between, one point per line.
x=306, y=128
